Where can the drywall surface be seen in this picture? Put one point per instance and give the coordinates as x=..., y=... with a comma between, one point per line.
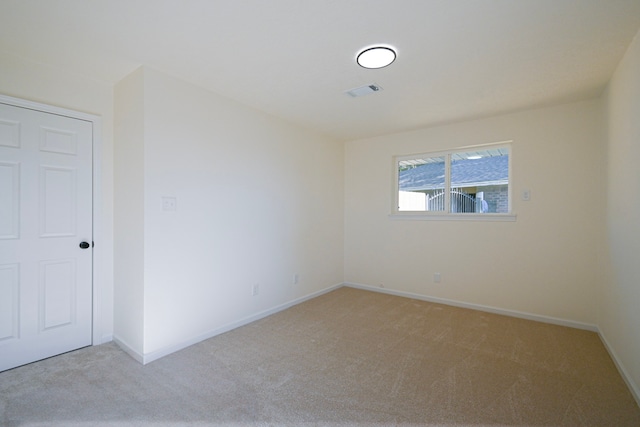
x=544, y=263
x=619, y=310
x=32, y=81
x=129, y=213
x=256, y=202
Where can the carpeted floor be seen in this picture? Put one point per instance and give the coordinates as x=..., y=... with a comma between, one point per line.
x=347, y=358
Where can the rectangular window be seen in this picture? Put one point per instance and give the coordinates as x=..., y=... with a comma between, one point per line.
x=472, y=182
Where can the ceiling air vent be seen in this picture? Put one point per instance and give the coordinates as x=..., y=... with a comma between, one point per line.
x=363, y=90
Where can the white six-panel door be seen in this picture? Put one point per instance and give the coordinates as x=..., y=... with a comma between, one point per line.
x=45, y=214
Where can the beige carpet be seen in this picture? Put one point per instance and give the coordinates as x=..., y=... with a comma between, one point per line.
x=349, y=357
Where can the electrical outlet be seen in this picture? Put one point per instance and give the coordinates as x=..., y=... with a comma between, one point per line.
x=255, y=290
x=169, y=204
x=437, y=278
x=296, y=279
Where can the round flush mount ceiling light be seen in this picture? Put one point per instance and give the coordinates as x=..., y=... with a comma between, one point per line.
x=376, y=57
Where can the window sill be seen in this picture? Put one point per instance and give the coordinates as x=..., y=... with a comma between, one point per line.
x=411, y=216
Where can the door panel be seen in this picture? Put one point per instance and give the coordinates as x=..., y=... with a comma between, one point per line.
x=9, y=133
x=9, y=302
x=57, y=293
x=57, y=202
x=9, y=200
x=45, y=212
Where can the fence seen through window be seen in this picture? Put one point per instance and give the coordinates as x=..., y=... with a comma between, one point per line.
x=470, y=181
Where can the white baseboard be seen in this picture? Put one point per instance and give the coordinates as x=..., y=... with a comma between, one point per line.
x=479, y=307
x=127, y=349
x=105, y=339
x=155, y=355
x=633, y=387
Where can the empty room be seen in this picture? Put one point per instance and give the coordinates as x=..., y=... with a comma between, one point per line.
x=332, y=213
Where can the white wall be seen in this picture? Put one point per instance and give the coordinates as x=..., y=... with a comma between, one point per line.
x=257, y=201
x=619, y=314
x=36, y=82
x=542, y=264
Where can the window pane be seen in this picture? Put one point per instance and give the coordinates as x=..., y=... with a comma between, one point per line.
x=480, y=181
x=421, y=184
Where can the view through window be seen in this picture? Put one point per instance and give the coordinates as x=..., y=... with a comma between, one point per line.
x=470, y=181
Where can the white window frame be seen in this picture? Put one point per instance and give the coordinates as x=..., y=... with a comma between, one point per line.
x=447, y=215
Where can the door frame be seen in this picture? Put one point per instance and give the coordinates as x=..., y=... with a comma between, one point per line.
x=96, y=285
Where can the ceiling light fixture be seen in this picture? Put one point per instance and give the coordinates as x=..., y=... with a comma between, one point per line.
x=376, y=57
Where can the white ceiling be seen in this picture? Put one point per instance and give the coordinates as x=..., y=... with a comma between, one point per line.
x=457, y=59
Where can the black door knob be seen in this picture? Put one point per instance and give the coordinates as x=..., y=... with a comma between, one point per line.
x=84, y=245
